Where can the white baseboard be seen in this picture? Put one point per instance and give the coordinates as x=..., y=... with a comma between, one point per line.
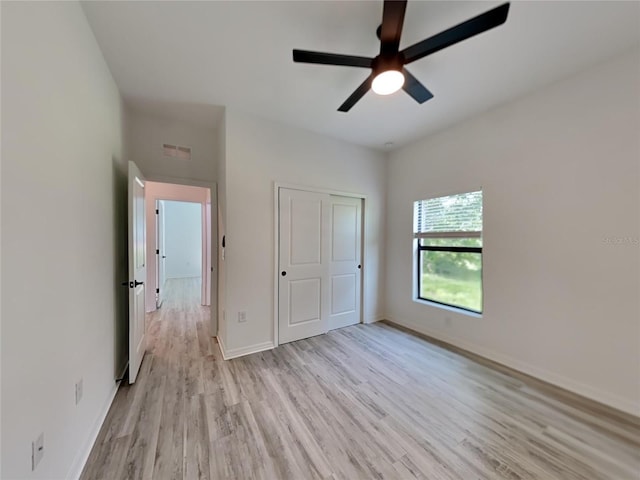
x=83, y=455
x=561, y=381
x=242, y=351
x=221, y=345
x=123, y=371
x=374, y=319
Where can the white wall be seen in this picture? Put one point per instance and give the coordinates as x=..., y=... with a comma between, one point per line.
x=258, y=153
x=149, y=132
x=560, y=174
x=183, y=236
x=63, y=232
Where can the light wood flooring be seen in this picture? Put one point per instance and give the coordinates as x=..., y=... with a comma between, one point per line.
x=363, y=402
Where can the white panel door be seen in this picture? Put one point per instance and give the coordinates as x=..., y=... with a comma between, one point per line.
x=137, y=270
x=345, y=261
x=303, y=292
x=161, y=256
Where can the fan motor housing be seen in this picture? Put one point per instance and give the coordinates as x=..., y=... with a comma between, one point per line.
x=383, y=62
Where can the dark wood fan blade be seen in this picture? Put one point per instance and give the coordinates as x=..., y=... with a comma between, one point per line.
x=413, y=87
x=357, y=95
x=391, y=29
x=470, y=28
x=306, y=56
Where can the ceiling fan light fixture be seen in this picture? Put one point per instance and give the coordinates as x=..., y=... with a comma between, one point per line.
x=388, y=72
x=388, y=82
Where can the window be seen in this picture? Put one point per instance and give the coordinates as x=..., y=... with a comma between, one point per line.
x=448, y=233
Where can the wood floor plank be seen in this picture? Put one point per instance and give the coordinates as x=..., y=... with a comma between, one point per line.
x=196, y=440
x=362, y=402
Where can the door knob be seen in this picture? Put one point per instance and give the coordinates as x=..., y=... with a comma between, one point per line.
x=284, y=274
x=359, y=266
x=136, y=283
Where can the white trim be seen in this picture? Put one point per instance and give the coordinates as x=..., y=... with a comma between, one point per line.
x=276, y=244
x=306, y=188
x=376, y=318
x=123, y=371
x=552, y=378
x=451, y=308
x=221, y=346
x=82, y=456
x=363, y=215
x=276, y=263
x=190, y=182
x=242, y=351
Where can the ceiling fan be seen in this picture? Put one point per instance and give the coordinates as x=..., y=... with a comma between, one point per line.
x=388, y=73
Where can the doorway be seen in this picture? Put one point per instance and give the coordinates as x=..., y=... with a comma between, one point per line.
x=319, y=262
x=181, y=225
x=179, y=244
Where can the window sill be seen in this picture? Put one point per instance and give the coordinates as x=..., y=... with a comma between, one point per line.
x=461, y=311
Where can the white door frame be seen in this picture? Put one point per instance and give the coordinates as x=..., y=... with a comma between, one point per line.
x=276, y=235
x=210, y=252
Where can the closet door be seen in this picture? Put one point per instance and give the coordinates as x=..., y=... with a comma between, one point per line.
x=345, y=261
x=303, y=290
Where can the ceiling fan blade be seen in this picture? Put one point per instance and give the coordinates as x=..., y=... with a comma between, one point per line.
x=356, y=95
x=453, y=35
x=413, y=87
x=391, y=29
x=306, y=56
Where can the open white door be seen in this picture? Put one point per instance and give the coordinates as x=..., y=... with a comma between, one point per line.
x=345, y=259
x=137, y=270
x=304, y=270
x=161, y=256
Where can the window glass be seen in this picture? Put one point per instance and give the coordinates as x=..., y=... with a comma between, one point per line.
x=449, y=233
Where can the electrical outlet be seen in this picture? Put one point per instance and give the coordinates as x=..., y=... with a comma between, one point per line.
x=37, y=451
x=242, y=317
x=79, y=387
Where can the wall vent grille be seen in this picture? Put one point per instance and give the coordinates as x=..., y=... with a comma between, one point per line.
x=176, y=151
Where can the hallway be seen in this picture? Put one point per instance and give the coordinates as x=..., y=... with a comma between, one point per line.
x=159, y=415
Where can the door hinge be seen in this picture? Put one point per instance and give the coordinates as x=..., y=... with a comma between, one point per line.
x=157, y=290
x=157, y=252
x=157, y=211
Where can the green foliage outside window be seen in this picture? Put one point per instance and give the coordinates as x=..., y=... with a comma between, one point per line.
x=450, y=277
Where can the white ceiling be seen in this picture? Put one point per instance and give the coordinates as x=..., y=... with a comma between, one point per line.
x=238, y=54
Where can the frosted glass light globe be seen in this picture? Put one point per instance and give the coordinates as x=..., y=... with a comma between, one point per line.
x=388, y=82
